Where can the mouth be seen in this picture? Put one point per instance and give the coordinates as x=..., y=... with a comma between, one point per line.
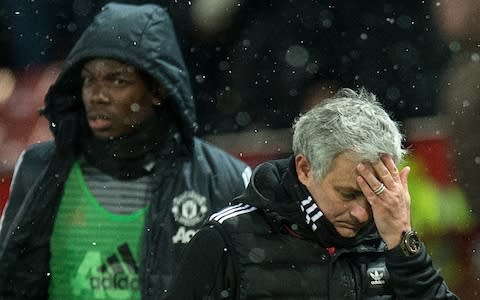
x=348, y=226
x=98, y=121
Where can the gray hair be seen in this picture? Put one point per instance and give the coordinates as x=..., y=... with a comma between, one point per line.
x=348, y=121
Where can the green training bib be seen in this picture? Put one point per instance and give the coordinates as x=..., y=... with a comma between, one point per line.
x=94, y=252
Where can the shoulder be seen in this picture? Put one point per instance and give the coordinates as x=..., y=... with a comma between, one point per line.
x=214, y=154
x=239, y=218
x=35, y=158
x=28, y=168
x=232, y=212
x=31, y=163
x=208, y=237
x=219, y=162
x=40, y=151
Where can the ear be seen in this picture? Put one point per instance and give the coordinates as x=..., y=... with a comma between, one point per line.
x=159, y=96
x=303, y=168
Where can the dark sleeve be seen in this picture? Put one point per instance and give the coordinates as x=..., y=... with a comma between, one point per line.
x=28, y=168
x=205, y=271
x=230, y=175
x=414, y=277
x=15, y=200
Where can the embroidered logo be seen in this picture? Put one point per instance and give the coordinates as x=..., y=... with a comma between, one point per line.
x=189, y=208
x=377, y=277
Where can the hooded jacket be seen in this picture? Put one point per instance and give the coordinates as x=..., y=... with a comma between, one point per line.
x=264, y=246
x=186, y=168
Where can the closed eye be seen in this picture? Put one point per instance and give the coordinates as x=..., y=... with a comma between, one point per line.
x=349, y=194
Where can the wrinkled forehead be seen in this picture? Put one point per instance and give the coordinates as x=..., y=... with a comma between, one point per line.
x=344, y=167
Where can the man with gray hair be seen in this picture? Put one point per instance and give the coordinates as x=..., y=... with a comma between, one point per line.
x=331, y=222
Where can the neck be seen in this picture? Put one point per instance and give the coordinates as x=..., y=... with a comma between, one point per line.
x=131, y=156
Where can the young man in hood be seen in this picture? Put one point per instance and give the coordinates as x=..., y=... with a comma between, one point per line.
x=103, y=211
x=331, y=222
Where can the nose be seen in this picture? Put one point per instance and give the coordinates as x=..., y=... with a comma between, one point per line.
x=361, y=210
x=96, y=93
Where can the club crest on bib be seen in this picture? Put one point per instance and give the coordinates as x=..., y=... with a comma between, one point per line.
x=189, y=208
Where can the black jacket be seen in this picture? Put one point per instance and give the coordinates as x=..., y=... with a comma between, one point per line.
x=187, y=168
x=262, y=248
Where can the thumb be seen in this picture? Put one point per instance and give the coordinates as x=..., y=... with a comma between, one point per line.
x=404, y=177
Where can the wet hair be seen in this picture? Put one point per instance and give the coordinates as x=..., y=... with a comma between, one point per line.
x=349, y=121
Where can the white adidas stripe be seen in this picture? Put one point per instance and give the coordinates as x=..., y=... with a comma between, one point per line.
x=307, y=201
x=231, y=212
x=245, y=211
x=246, y=174
x=226, y=210
x=307, y=217
x=317, y=216
x=311, y=209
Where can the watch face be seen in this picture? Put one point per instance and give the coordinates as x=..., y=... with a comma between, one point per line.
x=410, y=243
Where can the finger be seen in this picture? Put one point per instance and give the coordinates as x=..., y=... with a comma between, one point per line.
x=392, y=168
x=369, y=177
x=404, y=177
x=384, y=174
x=367, y=191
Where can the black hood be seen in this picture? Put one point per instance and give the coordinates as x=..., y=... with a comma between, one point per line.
x=266, y=191
x=142, y=36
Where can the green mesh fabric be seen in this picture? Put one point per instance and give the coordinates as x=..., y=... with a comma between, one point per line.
x=95, y=253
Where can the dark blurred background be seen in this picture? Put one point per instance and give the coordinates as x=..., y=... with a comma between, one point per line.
x=251, y=60
x=256, y=65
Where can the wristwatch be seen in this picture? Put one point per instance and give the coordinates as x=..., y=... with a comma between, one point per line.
x=410, y=243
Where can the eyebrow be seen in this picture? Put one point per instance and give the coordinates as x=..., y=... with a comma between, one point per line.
x=348, y=190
